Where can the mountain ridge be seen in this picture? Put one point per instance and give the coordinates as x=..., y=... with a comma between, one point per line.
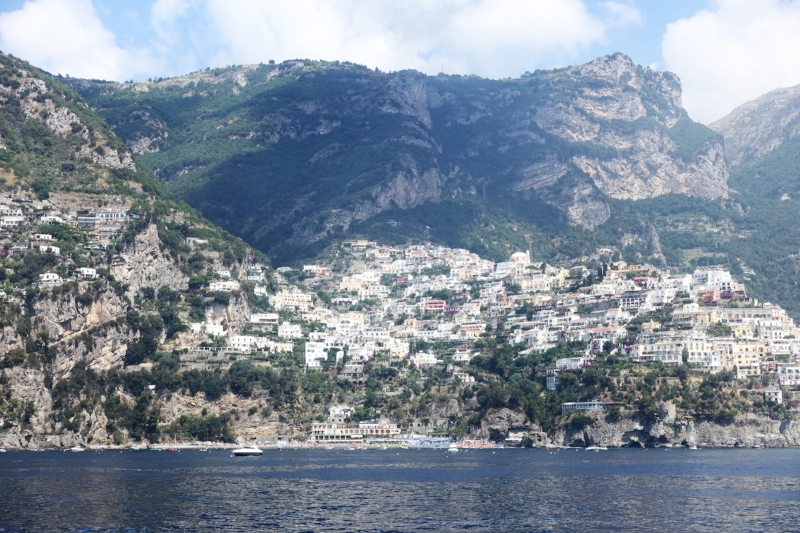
x=364, y=143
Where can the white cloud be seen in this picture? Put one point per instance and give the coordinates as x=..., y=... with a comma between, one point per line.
x=734, y=53
x=164, y=12
x=622, y=13
x=67, y=37
x=494, y=38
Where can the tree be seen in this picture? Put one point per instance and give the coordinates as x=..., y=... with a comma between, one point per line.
x=648, y=408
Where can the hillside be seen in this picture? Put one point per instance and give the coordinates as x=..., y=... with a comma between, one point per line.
x=288, y=155
x=100, y=269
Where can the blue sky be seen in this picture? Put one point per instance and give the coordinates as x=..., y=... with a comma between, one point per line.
x=725, y=51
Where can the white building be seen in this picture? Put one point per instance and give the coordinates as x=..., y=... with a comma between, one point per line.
x=49, y=279
x=223, y=286
x=287, y=330
x=264, y=319
x=86, y=273
x=209, y=329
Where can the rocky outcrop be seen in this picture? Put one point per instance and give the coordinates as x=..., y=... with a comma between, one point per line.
x=232, y=317
x=758, y=127
x=495, y=425
x=745, y=431
x=143, y=264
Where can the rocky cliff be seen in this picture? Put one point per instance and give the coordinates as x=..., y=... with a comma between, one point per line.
x=359, y=143
x=758, y=127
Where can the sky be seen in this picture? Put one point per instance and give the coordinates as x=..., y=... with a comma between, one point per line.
x=726, y=52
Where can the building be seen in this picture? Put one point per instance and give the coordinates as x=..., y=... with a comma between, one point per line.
x=87, y=222
x=86, y=273
x=209, y=329
x=48, y=279
x=773, y=396
x=292, y=299
x=287, y=330
x=264, y=319
x=575, y=407
x=789, y=375
x=223, y=286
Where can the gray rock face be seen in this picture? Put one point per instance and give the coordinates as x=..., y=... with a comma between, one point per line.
x=758, y=127
x=625, y=433
x=495, y=425
x=359, y=143
x=143, y=264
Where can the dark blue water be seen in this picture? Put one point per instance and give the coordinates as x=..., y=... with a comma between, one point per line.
x=425, y=490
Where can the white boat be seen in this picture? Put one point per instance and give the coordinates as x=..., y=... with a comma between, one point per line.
x=452, y=448
x=756, y=446
x=595, y=448
x=693, y=447
x=2, y=450
x=250, y=451
x=77, y=449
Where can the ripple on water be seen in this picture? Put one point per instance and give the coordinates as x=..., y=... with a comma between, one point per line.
x=512, y=490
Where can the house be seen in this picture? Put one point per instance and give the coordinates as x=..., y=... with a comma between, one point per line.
x=194, y=241
x=243, y=343
x=223, y=286
x=632, y=300
x=575, y=407
x=287, y=330
x=789, y=375
x=106, y=217
x=42, y=237
x=86, y=273
x=264, y=319
x=773, y=396
x=48, y=279
x=12, y=221
x=209, y=329
x=424, y=360
x=43, y=248
x=86, y=222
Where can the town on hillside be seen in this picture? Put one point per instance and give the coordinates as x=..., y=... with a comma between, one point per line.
x=384, y=320
x=434, y=309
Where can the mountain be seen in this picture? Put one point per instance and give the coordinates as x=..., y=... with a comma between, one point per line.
x=761, y=126
x=95, y=270
x=287, y=156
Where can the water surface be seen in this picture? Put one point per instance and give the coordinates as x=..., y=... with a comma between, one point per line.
x=408, y=490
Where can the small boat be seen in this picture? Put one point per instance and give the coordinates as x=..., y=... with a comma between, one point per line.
x=2, y=450
x=172, y=449
x=203, y=450
x=250, y=451
x=452, y=448
x=756, y=446
x=135, y=448
x=77, y=449
x=693, y=447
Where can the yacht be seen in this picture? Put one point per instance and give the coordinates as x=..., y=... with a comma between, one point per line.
x=77, y=449
x=249, y=451
x=595, y=448
x=452, y=448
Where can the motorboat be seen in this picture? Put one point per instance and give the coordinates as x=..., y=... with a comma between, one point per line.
x=2, y=450
x=693, y=447
x=595, y=448
x=249, y=451
x=756, y=446
x=452, y=448
x=77, y=449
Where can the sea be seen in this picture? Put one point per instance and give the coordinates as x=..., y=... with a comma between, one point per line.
x=641, y=490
